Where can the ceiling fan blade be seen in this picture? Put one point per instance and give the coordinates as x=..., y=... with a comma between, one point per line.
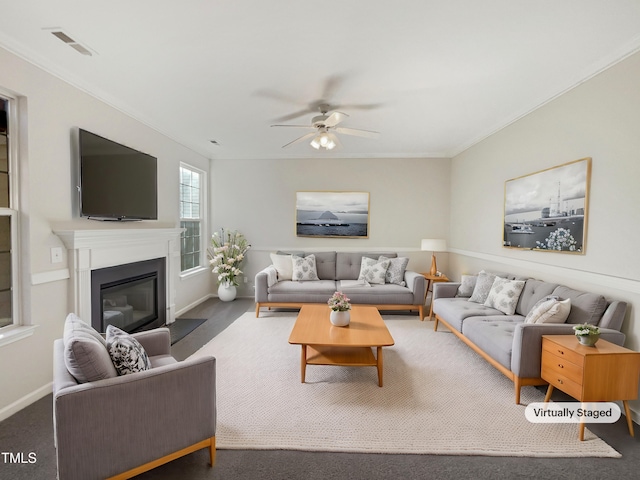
x=295, y=126
x=291, y=116
x=300, y=139
x=335, y=118
x=357, y=132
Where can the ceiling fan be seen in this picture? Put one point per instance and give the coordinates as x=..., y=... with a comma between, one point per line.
x=325, y=127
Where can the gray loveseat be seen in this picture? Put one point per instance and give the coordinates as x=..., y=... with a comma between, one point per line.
x=334, y=271
x=510, y=344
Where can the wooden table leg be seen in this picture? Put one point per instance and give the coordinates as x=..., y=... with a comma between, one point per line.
x=547, y=397
x=582, y=430
x=627, y=412
x=303, y=363
x=379, y=363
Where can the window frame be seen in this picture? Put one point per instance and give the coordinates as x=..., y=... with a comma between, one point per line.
x=202, y=219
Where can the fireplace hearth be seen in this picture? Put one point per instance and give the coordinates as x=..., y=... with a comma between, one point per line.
x=130, y=296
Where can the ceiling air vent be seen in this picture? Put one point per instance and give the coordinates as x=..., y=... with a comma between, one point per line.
x=71, y=42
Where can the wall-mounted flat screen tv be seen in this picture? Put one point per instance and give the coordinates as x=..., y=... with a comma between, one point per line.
x=116, y=182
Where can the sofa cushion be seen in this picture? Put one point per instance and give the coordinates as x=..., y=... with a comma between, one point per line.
x=549, y=310
x=585, y=307
x=504, y=295
x=454, y=311
x=126, y=353
x=532, y=293
x=348, y=263
x=373, y=271
x=467, y=284
x=493, y=335
x=395, y=272
x=387, y=294
x=85, y=352
x=283, y=265
x=482, y=288
x=304, y=268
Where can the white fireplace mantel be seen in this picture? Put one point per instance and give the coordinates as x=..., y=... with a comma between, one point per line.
x=91, y=249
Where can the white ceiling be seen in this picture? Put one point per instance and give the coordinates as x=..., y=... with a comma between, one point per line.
x=441, y=75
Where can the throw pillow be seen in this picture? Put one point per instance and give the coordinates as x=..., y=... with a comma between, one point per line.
x=284, y=266
x=504, y=295
x=127, y=355
x=85, y=352
x=395, y=272
x=467, y=284
x=373, y=271
x=484, y=282
x=304, y=268
x=549, y=310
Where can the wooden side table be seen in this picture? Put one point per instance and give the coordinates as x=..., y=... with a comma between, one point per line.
x=431, y=279
x=603, y=373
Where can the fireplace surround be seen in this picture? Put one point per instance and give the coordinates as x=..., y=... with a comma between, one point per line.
x=92, y=250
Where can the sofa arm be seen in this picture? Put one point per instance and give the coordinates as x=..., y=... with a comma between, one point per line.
x=264, y=279
x=418, y=285
x=445, y=289
x=155, y=342
x=526, y=353
x=110, y=426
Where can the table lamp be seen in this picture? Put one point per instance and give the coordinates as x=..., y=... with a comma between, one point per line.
x=433, y=245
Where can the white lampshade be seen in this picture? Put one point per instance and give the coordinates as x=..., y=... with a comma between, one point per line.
x=434, y=245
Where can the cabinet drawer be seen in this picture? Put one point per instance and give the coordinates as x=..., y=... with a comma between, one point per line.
x=563, y=383
x=562, y=352
x=556, y=365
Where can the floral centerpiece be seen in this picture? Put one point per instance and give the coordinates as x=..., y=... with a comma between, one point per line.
x=226, y=253
x=587, y=334
x=339, y=302
x=340, y=306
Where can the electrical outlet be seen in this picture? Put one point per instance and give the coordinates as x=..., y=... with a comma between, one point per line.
x=56, y=254
x=246, y=280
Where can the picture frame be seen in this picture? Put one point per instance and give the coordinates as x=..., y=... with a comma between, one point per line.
x=547, y=210
x=332, y=214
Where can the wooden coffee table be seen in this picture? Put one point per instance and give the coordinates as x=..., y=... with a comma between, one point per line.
x=325, y=344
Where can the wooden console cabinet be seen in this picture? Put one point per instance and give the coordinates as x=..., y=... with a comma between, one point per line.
x=603, y=373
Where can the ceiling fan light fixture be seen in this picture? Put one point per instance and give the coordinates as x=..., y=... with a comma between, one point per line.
x=315, y=143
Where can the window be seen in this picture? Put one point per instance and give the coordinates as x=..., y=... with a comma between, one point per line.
x=8, y=219
x=191, y=217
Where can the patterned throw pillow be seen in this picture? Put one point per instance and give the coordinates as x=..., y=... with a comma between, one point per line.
x=504, y=295
x=373, y=271
x=467, y=284
x=549, y=310
x=304, y=268
x=395, y=272
x=127, y=355
x=484, y=282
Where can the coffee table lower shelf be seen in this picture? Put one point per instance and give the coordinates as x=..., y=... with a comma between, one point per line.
x=340, y=356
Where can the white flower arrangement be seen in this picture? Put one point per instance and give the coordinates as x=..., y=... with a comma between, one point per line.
x=585, y=330
x=560, y=239
x=226, y=254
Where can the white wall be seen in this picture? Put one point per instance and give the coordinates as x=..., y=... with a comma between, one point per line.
x=408, y=202
x=51, y=109
x=597, y=119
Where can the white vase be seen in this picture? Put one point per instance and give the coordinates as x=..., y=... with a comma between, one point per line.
x=226, y=292
x=340, y=319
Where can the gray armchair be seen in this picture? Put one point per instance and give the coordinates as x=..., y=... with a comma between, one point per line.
x=121, y=426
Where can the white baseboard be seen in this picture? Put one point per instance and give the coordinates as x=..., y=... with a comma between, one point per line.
x=194, y=304
x=25, y=401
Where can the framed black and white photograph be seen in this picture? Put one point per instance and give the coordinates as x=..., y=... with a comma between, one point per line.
x=547, y=210
x=332, y=214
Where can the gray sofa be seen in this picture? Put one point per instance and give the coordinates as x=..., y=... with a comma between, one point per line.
x=332, y=269
x=506, y=341
x=109, y=425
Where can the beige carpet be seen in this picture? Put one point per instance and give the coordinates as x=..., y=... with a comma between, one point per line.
x=439, y=397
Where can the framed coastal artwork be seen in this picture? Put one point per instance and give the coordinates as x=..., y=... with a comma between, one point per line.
x=547, y=210
x=332, y=214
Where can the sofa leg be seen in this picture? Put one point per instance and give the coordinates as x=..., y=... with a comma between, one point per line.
x=435, y=324
x=517, y=386
x=257, y=310
x=212, y=451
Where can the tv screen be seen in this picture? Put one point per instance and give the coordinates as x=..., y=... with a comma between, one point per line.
x=116, y=182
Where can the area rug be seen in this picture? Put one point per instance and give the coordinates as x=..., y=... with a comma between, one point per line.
x=183, y=327
x=439, y=397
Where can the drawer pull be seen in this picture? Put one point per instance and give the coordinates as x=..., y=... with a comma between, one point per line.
x=560, y=382
x=561, y=365
x=561, y=352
